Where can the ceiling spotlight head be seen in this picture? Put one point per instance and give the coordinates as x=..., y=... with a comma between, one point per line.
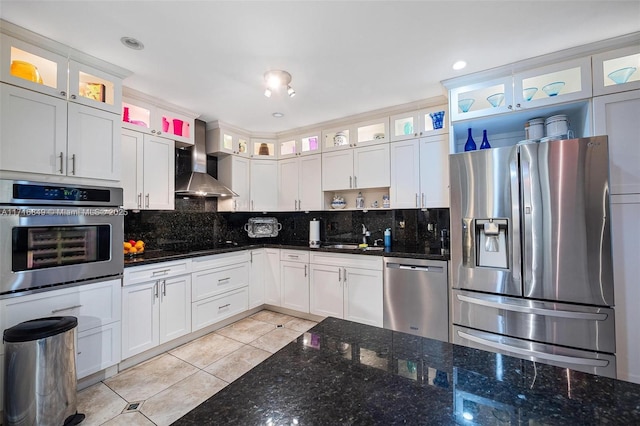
x=276, y=79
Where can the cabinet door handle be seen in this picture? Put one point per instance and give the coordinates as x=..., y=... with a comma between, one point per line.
x=61, y=163
x=339, y=274
x=305, y=270
x=422, y=202
x=147, y=200
x=350, y=181
x=164, y=288
x=73, y=96
x=510, y=107
x=355, y=181
x=73, y=164
x=55, y=311
x=153, y=131
x=517, y=105
x=417, y=200
x=139, y=199
x=345, y=276
x=251, y=257
x=63, y=93
x=155, y=290
x=252, y=206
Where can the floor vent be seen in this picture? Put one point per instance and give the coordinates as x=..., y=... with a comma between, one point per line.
x=133, y=406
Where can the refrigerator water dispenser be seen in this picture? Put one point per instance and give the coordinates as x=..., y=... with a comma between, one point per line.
x=491, y=243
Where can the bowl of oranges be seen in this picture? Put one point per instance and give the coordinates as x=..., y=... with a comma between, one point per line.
x=133, y=247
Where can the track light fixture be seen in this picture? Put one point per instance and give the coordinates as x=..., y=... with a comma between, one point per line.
x=276, y=79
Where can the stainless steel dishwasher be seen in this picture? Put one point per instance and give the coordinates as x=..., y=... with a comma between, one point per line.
x=416, y=297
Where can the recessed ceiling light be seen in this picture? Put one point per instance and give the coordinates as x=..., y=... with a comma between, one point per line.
x=459, y=65
x=132, y=43
x=278, y=114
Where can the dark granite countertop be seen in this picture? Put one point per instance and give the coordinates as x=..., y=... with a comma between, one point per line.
x=344, y=373
x=156, y=256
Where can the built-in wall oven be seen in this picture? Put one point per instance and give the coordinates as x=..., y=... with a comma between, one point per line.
x=52, y=234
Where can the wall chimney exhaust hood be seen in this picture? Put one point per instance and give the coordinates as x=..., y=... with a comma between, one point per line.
x=197, y=182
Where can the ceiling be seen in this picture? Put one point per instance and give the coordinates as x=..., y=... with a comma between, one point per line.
x=346, y=57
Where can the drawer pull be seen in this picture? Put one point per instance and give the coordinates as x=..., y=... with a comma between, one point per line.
x=293, y=256
x=55, y=311
x=162, y=272
x=224, y=306
x=224, y=279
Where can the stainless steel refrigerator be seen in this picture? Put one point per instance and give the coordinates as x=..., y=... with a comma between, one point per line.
x=531, y=261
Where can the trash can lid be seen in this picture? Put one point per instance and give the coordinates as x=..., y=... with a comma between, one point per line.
x=39, y=329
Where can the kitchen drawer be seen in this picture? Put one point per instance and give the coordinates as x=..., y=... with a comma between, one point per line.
x=93, y=304
x=373, y=263
x=218, y=280
x=295, y=256
x=98, y=348
x=217, y=260
x=138, y=274
x=214, y=309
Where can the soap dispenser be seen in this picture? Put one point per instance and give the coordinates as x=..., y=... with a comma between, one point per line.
x=387, y=237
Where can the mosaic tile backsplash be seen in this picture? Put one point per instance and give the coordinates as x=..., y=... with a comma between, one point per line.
x=195, y=225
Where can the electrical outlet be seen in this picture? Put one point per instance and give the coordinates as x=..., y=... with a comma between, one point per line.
x=401, y=224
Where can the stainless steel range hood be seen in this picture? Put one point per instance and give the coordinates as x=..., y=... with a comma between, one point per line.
x=198, y=182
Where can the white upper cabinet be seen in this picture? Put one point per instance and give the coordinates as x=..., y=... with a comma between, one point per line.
x=414, y=124
x=305, y=144
x=358, y=168
x=40, y=70
x=264, y=185
x=263, y=149
x=224, y=140
x=616, y=71
x=300, y=183
x=371, y=132
x=549, y=85
x=234, y=172
x=32, y=67
x=146, y=114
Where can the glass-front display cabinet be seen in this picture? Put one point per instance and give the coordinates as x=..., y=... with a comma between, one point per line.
x=553, y=84
x=415, y=124
x=482, y=99
x=263, y=149
x=224, y=141
x=616, y=71
x=337, y=138
x=308, y=143
x=32, y=67
x=94, y=88
x=372, y=132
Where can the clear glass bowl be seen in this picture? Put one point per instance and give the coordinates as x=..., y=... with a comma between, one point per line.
x=465, y=104
x=496, y=99
x=552, y=89
x=529, y=93
x=622, y=75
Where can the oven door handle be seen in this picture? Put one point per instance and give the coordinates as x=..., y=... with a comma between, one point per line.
x=529, y=352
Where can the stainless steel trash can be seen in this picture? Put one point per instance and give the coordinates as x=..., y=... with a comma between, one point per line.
x=40, y=373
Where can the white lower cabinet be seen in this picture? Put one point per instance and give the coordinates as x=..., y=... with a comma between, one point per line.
x=98, y=309
x=220, y=287
x=155, y=312
x=272, y=292
x=294, y=280
x=257, y=266
x=347, y=286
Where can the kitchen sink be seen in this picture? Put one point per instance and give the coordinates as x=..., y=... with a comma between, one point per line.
x=352, y=247
x=342, y=246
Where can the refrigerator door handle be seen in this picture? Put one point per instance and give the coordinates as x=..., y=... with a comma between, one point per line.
x=534, y=310
x=528, y=352
x=527, y=219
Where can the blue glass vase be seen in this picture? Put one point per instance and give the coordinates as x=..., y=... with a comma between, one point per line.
x=485, y=141
x=471, y=144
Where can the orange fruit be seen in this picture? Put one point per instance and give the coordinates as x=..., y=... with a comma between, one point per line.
x=127, y=245
x=133, y=250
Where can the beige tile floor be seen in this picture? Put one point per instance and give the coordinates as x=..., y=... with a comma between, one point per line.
x=172, y=384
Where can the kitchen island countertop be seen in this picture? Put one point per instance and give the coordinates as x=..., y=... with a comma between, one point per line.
x=156, y=256
x=341, y=372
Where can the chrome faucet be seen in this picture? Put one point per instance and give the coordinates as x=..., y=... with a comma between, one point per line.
x=365, y=234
